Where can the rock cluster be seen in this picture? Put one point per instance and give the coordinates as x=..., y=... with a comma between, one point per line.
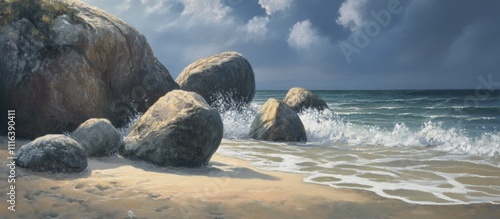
x=278, y=120
x=79, y=63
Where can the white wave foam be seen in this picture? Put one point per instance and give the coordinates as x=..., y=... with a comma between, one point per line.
x=322, y=128
x=331, y=129
x=408, y=175
x=480, y=118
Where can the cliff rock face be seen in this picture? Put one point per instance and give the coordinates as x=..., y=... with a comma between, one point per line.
x=63, y=62
x=277, y=122
x=180, y=129
x=225, y=80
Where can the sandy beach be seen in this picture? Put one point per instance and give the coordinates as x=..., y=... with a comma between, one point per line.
x=115, y=187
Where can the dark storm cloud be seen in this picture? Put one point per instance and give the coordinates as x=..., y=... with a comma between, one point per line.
x=424, y=44
x=434, y=44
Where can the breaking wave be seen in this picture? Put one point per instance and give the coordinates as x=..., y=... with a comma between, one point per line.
x=326, y=128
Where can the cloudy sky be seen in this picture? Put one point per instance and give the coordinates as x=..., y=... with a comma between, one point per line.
x=328, y=44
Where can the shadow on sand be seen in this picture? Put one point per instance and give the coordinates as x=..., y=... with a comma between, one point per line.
x=213, y=169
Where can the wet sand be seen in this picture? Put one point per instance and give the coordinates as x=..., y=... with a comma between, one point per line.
x=115, y=187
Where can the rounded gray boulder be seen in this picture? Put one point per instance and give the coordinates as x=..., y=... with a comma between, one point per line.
x=180, y=129
x=225, y=80
x=300, y=99
x=53, y=153
x=98, y=136
x=63, y=62
x=277, y=122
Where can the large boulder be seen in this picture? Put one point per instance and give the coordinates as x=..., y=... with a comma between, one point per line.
x=53, y=153
x=300, y=99
x=277, y=122
x=98, y=136
x=63, y=62
x=180, y=129
x=225, y=80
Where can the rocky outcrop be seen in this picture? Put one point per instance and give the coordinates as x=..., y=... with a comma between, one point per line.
x=53, y=153
x=300, y=99
x=225, y=80
x=277, y=122
x=98, y=136
x=63, y=62
x=180, y=129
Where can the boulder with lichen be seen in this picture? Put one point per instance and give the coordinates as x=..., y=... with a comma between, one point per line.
x=63, y=62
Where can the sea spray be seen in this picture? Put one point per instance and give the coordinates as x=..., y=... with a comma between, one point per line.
x=330, y=129
x=132, y=120
x=237, y=122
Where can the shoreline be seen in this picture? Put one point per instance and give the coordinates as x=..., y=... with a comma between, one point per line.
x=114, y=187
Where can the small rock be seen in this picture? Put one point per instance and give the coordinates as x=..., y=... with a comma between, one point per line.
x=53, y=153
x=98, y=136
x=300, y=99
x=277, y=122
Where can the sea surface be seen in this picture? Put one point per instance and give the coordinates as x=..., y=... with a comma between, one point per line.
x=435, y=147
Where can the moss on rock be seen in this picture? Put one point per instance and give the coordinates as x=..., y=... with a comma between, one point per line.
x=41, y=13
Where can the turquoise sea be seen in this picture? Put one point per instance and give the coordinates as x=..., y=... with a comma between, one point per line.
x=437, y=147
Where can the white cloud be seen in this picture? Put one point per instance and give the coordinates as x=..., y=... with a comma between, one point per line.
x=124, y=6
x=303, y=36
x=195, y=15
x=272, y=6
x=155, y=7
x=205, y=10
x=350, y=17
x=256, y=28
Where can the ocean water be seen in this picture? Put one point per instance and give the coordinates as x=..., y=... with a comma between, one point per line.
x=437, y=147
